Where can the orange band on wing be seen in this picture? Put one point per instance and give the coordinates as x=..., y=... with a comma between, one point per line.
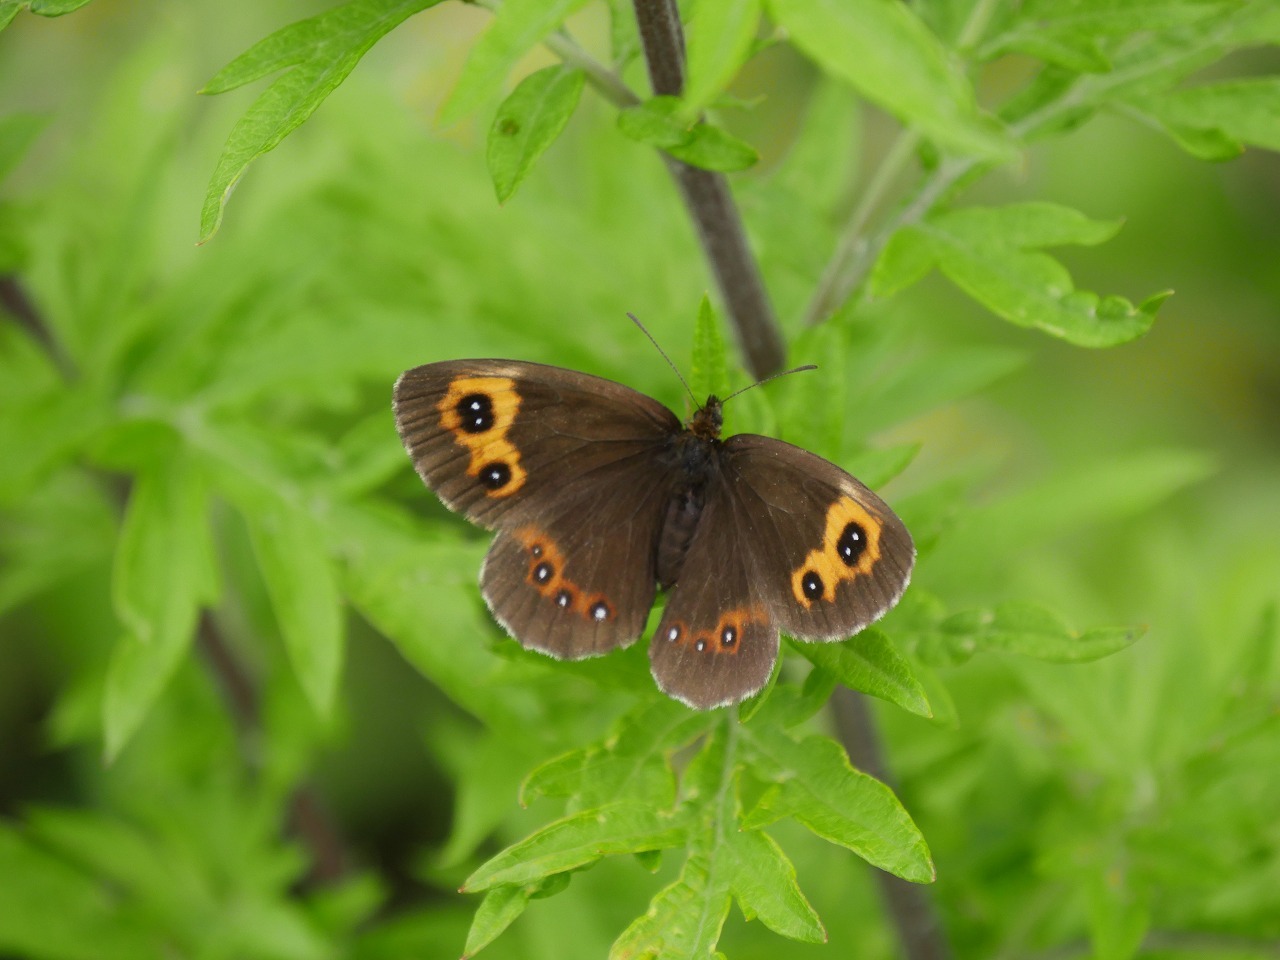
x=850, y=548
x=725, y=638
x=546, y=574
x=494, y=461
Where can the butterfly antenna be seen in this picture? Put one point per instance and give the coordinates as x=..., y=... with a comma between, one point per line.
x=807, y=366
x=636, y=321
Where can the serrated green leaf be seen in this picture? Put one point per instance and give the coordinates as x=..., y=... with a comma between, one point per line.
x=885, y=51
x=633, y=761
x=1214, y=120
x=869, y=662
x=719, y=40
x=814, y=783
x=764, y=884
x=578, y=840
x=319, y=53
x=161, y=575
x=8, y=10
x=709, y=373
x=659, y=123
x=528, y=122
x=518, y=25
x=293, y=557
x=684, y=919
x=986, y=252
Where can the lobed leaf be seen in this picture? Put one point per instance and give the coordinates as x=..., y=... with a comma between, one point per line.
x=888, y=54
x=985, y=251
x=868, y=661
x=814, y=783
x=579, y=840
x=319, y=53
x=528, y=122
x=1215, y=121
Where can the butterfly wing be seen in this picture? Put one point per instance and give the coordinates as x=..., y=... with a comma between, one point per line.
x=718, y=639
x=831, y=556
x=569, y=469
x=786, y=542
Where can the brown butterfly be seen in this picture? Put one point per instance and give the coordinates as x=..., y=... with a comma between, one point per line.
x=600, y=496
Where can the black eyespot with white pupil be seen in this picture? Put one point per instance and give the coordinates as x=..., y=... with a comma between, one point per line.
x=495, y=475
x=673, y=635
x=700, y=644
x=852, y=543
x=599, y=610
x=728, y=637
x=536, y=550
x=811, y=583
x=564, y=598
x=475, y=412
x=543, y=572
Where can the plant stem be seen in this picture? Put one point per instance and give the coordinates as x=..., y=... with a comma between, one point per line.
x=710, y=203
x=909, y=904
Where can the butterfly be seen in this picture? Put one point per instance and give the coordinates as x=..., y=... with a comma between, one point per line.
x=600, y=496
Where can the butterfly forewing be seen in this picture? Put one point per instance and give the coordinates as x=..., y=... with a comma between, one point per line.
x=832, y=556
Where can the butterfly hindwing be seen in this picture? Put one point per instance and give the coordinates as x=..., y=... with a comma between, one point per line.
x=831, y=556
x=717, y=641
x=568, y=468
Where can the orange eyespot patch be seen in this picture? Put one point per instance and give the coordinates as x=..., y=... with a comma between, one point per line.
x=546, y=574
x=725, y=638
x=850, y=548
x=478, y=412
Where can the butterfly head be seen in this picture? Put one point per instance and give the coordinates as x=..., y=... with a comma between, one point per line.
x=707, y=420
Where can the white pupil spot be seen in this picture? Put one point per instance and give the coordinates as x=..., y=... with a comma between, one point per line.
x=673, y=633
x=599, y=611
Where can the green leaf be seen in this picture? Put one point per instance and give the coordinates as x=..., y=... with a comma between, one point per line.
x=1214, y=121
x=684, y=919
x=884, y=50
x=578, y=840
x=1034, y=631
x=56, y=8
x=319, y=53
x=815, y=784
x=986, y=252
x=528, y=122
x=497, y=911
x=632, y=761
x=658, y=122
x=518, y=25
x=161, y=574
x=719, y=40
x=293, y=557
x=709, y=373
x=764, y=884
x=869, y=662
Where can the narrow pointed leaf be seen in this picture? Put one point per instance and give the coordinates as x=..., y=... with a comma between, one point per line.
x=719, y=40
x=764, y=884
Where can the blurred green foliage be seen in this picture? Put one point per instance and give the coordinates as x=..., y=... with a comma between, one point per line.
x=219, y=575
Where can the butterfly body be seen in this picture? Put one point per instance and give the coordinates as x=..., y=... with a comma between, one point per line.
x=600, y=495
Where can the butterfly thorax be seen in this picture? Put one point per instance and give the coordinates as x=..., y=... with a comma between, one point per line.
x=696, y=461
